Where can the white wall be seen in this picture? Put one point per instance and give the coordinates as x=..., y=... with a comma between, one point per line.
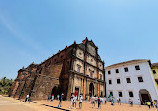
x=135, y=85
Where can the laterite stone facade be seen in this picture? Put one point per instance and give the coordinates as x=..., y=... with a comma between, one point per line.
x=77, y=69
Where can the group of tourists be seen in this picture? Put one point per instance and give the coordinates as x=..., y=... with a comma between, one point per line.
x=152, y=104
x=73, y=102
x=95, y=100
x=59, y=98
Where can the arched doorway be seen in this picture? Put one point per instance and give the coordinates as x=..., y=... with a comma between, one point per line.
x=54, y=91
x=144, y=96
x=91, y=89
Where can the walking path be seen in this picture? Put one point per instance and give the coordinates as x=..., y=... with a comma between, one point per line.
x=10, y=104
x=7, y=104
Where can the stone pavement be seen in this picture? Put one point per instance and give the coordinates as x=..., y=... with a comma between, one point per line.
x=10, y=104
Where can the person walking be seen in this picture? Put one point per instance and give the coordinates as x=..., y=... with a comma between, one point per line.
x=139, y=103
x=105, y=100
x=112, y=101
x=152, y=105
x=52, y=97
x=96, y=99
x=93, y=101
x=71, y=103
x=27, y=98
x=74, y=101
x=119, y=101
x=130, y=102
x=101, y=100
x=60, y=100
x=148, y=104
x=58, y=97
x=49, y=96
x=99, y=103
x=155, y=104
x=80, y=102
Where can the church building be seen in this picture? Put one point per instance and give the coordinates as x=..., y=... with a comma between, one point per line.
x=77, y=69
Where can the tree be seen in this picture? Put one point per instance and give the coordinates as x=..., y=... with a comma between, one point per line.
x=5, y=85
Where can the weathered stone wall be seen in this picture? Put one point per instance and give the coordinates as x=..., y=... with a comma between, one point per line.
x=89, y=69
x=80, y=54
x=75, y=65
x=14, y=88
x=91, y=60
x=43, y=87
x=91, y=49
x=100, y=65
x=27, y=87
x=19, y=90
x=46, y=81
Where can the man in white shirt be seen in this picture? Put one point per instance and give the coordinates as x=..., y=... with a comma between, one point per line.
x=80, y=102
x=27, y=98
x=75, y=99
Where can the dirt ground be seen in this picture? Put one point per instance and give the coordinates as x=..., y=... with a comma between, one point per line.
x=10, y=104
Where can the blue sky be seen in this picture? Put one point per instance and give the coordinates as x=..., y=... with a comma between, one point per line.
x=33, y=30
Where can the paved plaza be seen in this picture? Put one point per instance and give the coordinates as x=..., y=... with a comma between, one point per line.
x=10, y=104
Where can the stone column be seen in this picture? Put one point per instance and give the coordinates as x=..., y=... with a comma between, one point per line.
x=98, y=89
x=84, y=89
x=81, y=89
x=72, y=84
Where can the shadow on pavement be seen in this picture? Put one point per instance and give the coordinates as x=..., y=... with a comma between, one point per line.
x=55, y=107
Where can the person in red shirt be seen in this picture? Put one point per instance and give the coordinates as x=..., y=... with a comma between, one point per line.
x=52, y=97
x=99, y=103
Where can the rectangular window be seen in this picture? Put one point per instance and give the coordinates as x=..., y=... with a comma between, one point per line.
x=128, y=80
x=109, y=72
x=140, y=79
x=131, y=94
x=137, y=67
x=126, y=69
x=120, y=94
x=117, y=70
x=118, y=81
x=110, y=81
x=154, y=72
x=78, y=68
x=91, y=74
x=111, y=93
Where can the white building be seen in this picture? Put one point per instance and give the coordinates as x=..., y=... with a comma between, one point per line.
x=131, y=80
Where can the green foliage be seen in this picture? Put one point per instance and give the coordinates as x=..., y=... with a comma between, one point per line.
x=5, y=85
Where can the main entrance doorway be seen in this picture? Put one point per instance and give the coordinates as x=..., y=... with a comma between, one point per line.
x=91, y=89
x=54, y=91
x=144, y=96
x=76, y=92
